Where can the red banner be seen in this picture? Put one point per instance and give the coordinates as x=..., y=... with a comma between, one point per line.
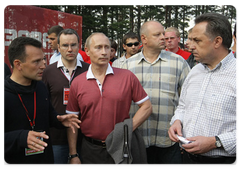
x=34, y=22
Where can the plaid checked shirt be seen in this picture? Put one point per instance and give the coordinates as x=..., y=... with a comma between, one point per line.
x=162, y=80
x=207, y=106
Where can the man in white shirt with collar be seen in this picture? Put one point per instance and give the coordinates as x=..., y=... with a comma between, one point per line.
x=206, y=114
x=131, y=43
x=58, y=78
x=103, y=96
x=53, y=42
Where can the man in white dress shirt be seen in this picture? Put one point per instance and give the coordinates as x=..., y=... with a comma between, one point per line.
x=53, y=42
x=206, y=114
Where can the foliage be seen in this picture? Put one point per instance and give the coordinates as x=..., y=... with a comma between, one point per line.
x=116, y=21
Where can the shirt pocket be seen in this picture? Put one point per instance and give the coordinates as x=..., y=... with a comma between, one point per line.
x=168, y=85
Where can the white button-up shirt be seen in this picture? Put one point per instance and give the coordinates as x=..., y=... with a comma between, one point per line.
x=207, y=105
x=57, y=55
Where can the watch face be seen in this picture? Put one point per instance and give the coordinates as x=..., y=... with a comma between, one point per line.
x=218, y=144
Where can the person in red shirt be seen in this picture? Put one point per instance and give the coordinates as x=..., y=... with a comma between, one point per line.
x=106, y=104
x=172, y=39
x=85, y=57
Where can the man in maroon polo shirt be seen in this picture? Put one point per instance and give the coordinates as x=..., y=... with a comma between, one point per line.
x=102, y=96
x=172, y=39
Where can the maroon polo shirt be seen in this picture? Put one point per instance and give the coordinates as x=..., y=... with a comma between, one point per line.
x=101, y=111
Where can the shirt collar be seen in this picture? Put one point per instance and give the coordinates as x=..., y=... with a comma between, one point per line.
x=160, y=57
x=56, y=53
x=60, y=63
x=123, y=58
x=90, y=73
x=222, y=64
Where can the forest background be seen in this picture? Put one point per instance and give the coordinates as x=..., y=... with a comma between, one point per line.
x=115, y=21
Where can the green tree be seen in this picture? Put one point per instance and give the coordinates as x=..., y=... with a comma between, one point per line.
x=115, y=21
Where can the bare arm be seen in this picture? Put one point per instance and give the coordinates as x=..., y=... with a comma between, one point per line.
x=70, y=120
x=144, y=111
x=72, y=142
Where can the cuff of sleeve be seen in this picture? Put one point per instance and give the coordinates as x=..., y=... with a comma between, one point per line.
x=174, y=118
x=71, y=112
x=23, y=138
x=142, y=101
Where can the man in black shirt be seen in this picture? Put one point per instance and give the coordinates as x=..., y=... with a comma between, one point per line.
x=28, y=111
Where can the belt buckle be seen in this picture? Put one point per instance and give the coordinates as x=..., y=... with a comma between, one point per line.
x=103, y=145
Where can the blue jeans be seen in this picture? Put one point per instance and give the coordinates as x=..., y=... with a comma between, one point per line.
x=60, y=154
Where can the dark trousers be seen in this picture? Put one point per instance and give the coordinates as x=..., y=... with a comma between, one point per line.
x=94, y=154
x=169, y=155
x=60, y=153
x=198, y=159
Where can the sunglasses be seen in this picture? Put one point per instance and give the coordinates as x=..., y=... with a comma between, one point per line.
x=131, y=44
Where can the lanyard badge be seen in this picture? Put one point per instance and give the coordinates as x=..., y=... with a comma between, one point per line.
x=65, y=95
x=32, y=123
x=29, y=152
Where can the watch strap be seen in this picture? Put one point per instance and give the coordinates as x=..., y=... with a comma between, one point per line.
x=73, y=156
x=218, y=142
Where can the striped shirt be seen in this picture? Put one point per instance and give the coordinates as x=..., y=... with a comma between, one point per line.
x=162, y=80
x=207, y=106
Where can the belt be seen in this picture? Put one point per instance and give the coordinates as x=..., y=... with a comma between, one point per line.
x=207, y=159
x=96, y=142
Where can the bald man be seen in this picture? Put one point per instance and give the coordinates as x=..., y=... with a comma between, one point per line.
x=161, y=74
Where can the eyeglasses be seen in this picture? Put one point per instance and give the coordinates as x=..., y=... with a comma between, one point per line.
x=66, y=46
x=131, y=44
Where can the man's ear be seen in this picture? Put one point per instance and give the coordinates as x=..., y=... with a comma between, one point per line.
x=124, y=46
x=144, y=39
x=86, y=51
x=218, y=42
x=179, y=39
x=17, y=64
x=58, y=47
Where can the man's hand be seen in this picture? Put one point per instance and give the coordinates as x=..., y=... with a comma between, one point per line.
x=33, y=141
x=175, y=129
x=69, y=120
x=200, y=144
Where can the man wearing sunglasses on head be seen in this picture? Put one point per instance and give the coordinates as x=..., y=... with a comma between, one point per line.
x=130, y=45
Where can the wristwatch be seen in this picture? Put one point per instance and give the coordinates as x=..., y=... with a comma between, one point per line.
x=218, y=143
x=72, y=156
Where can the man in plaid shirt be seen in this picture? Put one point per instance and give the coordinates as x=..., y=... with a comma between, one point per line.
x=161, y=74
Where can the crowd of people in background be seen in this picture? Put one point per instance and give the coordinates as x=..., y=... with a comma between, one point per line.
x=75, y=109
